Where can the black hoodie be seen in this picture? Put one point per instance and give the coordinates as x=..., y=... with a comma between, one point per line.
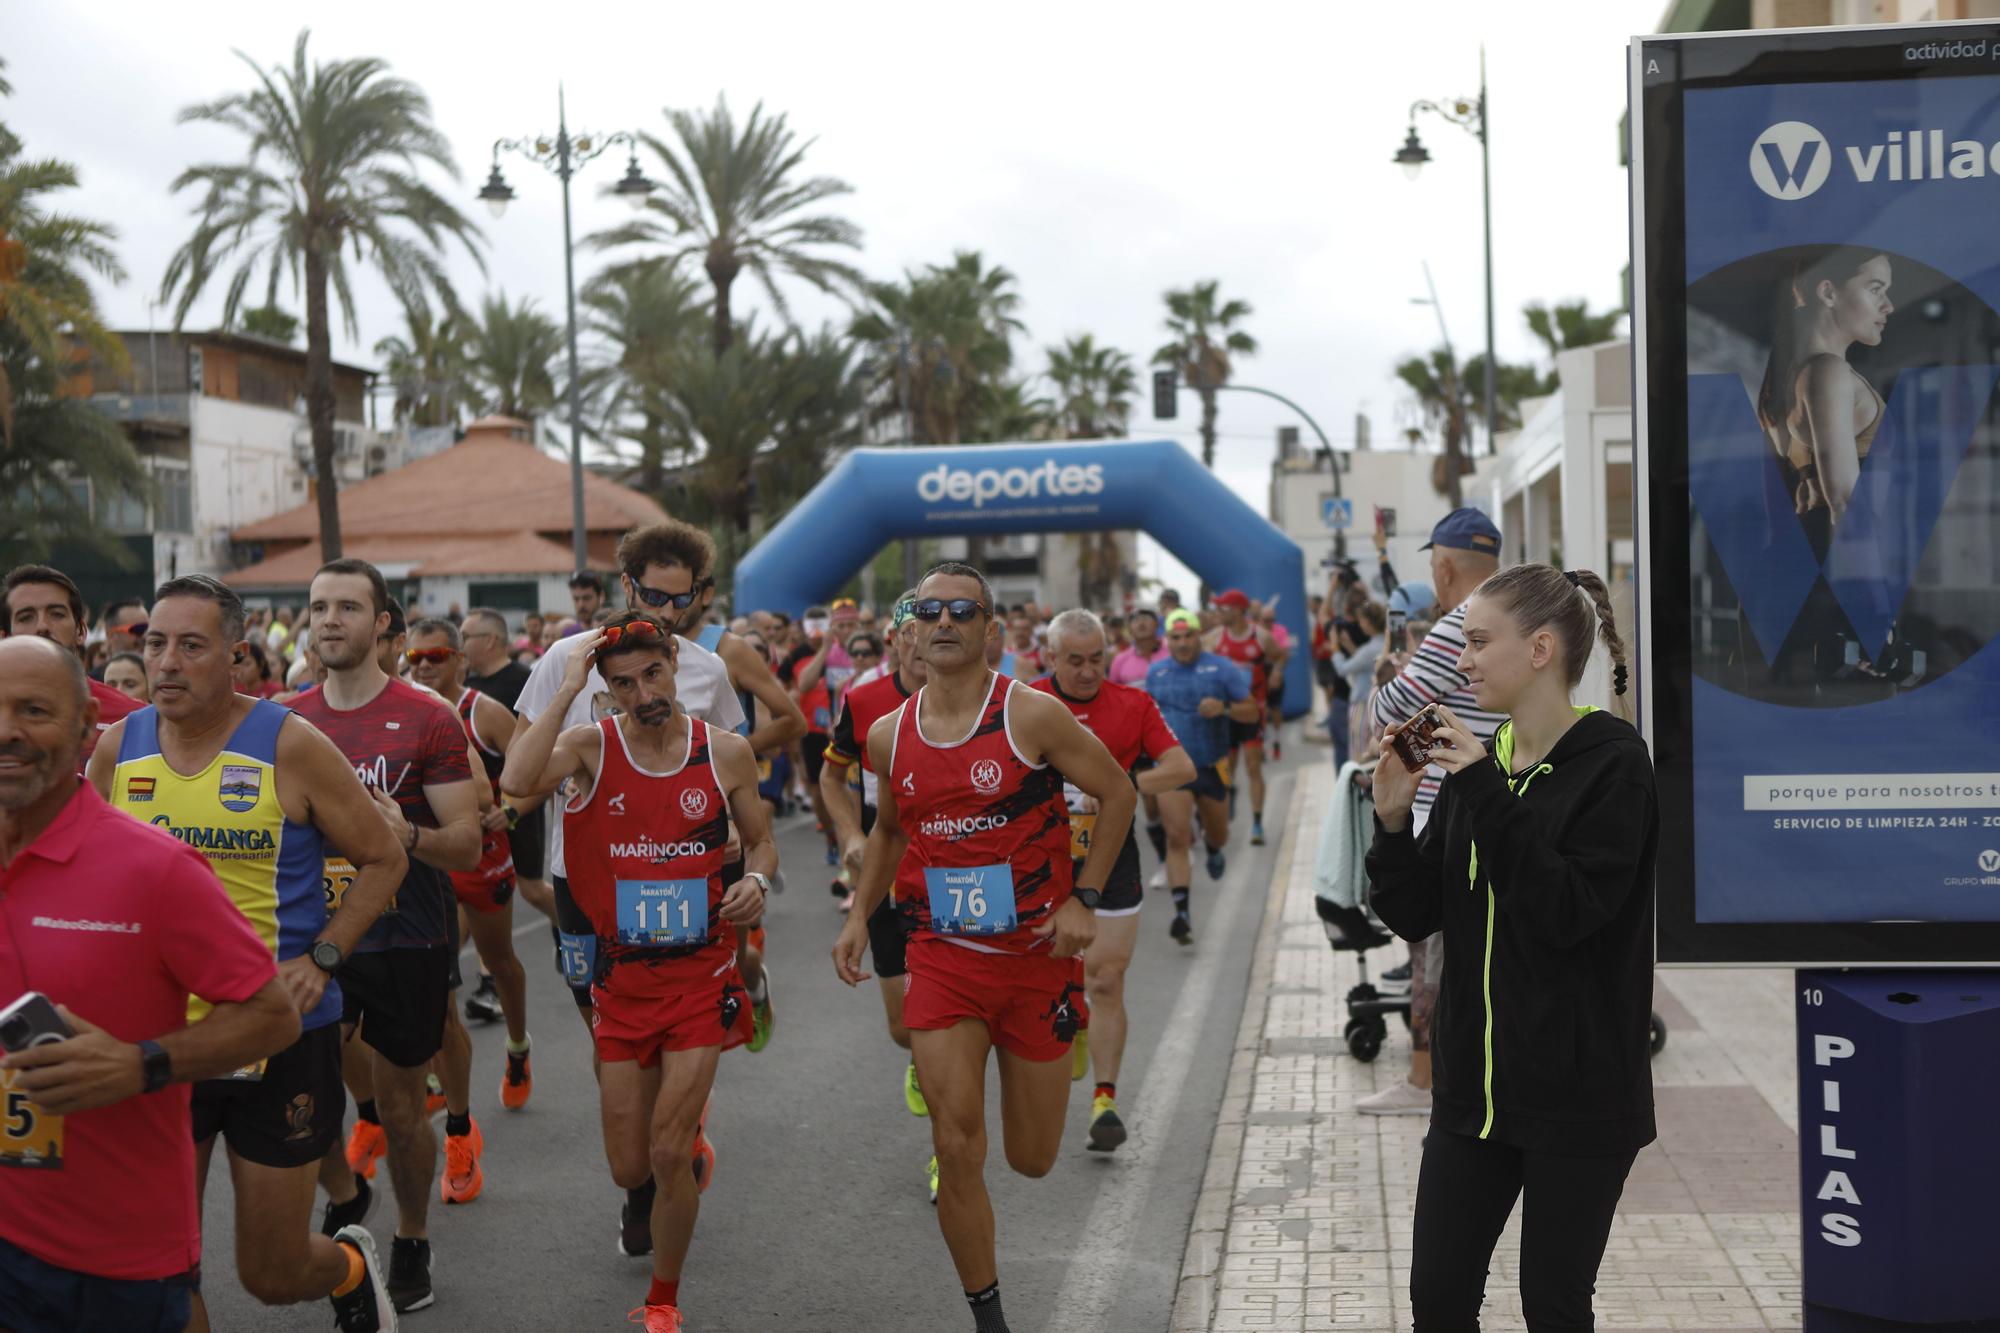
x=1542, y=882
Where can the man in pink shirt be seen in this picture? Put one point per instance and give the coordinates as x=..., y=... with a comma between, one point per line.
x=117, y=923
x=1147, y=647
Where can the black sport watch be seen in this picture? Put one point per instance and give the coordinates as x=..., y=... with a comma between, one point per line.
x=1088, y=897
x=156, y=1066
x=326, y=956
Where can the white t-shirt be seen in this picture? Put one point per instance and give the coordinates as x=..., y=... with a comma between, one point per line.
x=701, y=687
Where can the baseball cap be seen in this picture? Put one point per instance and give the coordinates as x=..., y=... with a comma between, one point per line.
x=1183, y=616
x=1235, y=597
x=1412, y=599
x=1465, y=530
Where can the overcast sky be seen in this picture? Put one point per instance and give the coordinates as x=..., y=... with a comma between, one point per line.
x=1103, y=152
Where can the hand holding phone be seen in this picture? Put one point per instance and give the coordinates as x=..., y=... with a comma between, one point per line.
x=31, y=1021
x=1413, y=739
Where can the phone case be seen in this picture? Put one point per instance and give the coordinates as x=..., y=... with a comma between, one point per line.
x=1413, y=739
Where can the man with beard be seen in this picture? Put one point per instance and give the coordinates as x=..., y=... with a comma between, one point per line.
x=644, y=847
x=259, y=791
x=974, y=834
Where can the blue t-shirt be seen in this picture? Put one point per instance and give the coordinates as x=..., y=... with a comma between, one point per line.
x=1178, y=688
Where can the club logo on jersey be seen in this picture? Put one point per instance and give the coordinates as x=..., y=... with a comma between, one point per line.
x=909, y=784
x=241, y=785
x=694, y=803
x=986, y=776
x=616, y=804
x=139, y=789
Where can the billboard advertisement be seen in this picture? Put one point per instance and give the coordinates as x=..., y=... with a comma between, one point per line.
x=1816, y=288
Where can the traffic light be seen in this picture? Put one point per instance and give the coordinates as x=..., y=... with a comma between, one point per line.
x=1166, y=392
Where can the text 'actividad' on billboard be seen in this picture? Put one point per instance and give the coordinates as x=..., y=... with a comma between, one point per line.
x=1817, y=331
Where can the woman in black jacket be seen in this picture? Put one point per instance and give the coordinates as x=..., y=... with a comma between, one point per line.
x=1537, y=863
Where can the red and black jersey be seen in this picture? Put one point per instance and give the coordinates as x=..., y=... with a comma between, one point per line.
x=401, y=741
x=975, y=803
x=1247, y=653
x=860, y=709
x=637, y=834
x=1125, y=719
x=496, y=854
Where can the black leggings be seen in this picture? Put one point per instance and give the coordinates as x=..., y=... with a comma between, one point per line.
x=1465, y=1192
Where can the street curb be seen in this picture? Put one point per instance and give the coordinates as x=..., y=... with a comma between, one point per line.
x=1195, y=1296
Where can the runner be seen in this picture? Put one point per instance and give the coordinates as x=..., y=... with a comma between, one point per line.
x=254, y=789
x=485, y=895
x=986, y=887
x=1129, y=723
x=808, y=671
x=492, y=670
x=44, y=601
x=1274, y=675
x=1200, y=694
x=1249, y=645
x=645, y=837
x=661, y=567
x=865, y=705
x=396, y=986
x=1129, y=667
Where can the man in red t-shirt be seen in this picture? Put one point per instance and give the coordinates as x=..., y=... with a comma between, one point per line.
x=1129, y=723
x=44, y=601
x=118, y=924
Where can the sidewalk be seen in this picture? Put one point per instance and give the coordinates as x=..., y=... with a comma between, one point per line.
x=1304, y=1219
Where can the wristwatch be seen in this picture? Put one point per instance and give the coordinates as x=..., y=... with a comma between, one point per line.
x=326, y=956
x=513, y=816
x=763, y=880
x=1088, y=897
x=156, y=1065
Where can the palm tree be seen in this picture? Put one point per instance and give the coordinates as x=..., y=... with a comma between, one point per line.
x=734, y=200
x=427, y=366
x=509, y=352
x=331, y=173
x=643, y=315
x=1446, y=404
x=1204, y=340
x=1094, y=387
x=1569, y=324
x=943, y=344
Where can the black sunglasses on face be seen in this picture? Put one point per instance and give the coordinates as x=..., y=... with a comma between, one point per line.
x=962, y=608
x=680, y=601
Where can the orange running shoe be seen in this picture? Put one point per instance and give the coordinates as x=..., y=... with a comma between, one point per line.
x=657, y=1318
x=462, y=1177
x=365, y=1144
x=518, y=1082
x=704, y=1155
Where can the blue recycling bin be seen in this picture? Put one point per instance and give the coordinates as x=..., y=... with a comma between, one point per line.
x=1899, y=1149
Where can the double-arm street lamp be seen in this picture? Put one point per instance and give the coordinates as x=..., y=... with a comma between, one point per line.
x=563, y=155
x=1470, y=115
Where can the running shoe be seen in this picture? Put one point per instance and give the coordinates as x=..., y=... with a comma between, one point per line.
x=1257, y=831
x=913, y=1096
x=365, y=1145
x=433, y=1095
x=704, y=1154
x=1217, y=863
x=518, y=1083
x=1079, y=1055
x=635, y=1222
x=1159, y=879
x=1107, y=1131
x=410, y=1275
x=832, y=854
x=483, y=1005
x=366, y=1309
x=353, y=1213
x=761, y=1018
x=463, y=1178
x=657, y=1318
x=1182, y=929
x=931, y=1179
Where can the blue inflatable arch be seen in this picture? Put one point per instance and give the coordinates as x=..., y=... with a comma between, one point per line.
x=877, y=495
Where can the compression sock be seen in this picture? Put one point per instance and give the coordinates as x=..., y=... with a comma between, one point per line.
x=457, y=1126
x=1106, y=1090
x=357, y=1270
x=366, y=1110
x=1157, y=835
x=1180, y=892
x=512, y=1049
x=663, y=1292
x=986, y=1316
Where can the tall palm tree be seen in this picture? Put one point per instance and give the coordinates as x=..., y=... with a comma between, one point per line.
x=1205, y=338
x=1569, y=324
x=331, y=175
x=427, y=365
x=642, y=316
x=510, y=352
x=734, y=198
x=942, y=344
x=1446, y=405
x=1094, y=387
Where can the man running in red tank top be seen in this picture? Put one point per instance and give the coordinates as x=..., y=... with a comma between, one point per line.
x=973, y=831
x=1249, y=645
x=644, y=841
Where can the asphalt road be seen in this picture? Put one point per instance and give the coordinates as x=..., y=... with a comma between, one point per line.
x=818, y=1219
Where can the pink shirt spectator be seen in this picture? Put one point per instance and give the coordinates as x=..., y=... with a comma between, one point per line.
x=1129, y=668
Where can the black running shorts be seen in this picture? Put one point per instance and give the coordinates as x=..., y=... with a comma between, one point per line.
x=1125, y=886
x=399, y=997
x=287, y=1116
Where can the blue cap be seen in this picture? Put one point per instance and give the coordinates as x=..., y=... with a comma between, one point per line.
x=1412, y=599
x=1465, y=530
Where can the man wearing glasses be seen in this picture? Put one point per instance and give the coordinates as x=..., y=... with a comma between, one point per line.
x=974, y=833
x=663, y=567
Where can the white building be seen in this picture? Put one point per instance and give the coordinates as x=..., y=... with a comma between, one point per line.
x=1303, y=506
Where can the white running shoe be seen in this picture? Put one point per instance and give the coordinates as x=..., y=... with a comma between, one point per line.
x=1400, y=1098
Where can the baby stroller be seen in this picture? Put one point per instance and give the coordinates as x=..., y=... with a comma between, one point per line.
x=1351, y=930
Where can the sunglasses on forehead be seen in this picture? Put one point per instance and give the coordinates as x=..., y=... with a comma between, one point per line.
x=680, y=601
x=432, y=656
x=932, y=608
x=638, y=631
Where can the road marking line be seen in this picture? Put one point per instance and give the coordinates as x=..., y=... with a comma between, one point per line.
x=1105, y=1257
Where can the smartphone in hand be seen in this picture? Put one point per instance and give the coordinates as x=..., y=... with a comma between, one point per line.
x=31, y=1021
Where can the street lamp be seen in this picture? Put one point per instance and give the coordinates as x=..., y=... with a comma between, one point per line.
x=1470, y=115
x=563, y=155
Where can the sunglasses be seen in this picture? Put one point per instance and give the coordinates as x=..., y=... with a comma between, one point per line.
x=432, y=656
x=962, y=609
x=636, y=631
x=680, y=601
x=137, y=629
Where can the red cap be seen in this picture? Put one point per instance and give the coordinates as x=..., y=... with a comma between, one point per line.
x=1235, y=597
